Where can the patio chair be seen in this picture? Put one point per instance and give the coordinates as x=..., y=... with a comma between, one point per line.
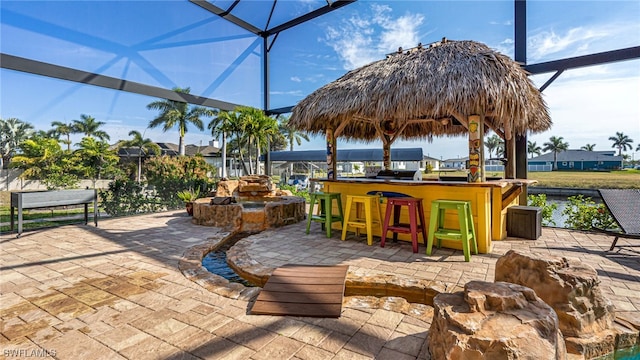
x=624, y=206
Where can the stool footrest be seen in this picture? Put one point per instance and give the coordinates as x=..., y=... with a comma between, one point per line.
x=450, y=234
x=401, y=228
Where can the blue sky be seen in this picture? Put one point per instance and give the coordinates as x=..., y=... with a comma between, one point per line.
x=176, y=43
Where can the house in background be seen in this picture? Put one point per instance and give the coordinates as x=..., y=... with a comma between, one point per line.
x=429, y=161
x=458, y=164
x=580, y=160
x=210, y=153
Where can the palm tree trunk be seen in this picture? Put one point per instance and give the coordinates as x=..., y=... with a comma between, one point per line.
x=139, y=166
x=224, y=154
x=181, y=146
x=250, y=158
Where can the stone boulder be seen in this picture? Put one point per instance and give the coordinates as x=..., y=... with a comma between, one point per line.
x=226, y=188
x=255, y=185
x=494, y=321
x=570, y=287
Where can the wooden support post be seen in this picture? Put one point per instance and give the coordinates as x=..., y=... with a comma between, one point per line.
x=476, y=149
x=510, y=150
x=386, y=153
x=331, y=155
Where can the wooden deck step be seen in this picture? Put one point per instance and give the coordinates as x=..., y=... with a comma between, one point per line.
x=300, y=290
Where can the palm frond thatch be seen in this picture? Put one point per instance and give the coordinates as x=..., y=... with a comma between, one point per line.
x=420, y=88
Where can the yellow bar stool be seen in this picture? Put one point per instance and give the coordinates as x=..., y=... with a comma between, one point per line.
x=325, y=216
x=466, y=232
x=370, y=203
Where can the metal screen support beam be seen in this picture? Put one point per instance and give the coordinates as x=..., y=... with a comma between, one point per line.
x=60, y=72
x=520, y=156
x=586, y=60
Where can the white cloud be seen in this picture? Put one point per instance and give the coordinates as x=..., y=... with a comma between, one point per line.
x=364, y=38
x=295, y=79
x=552, y=44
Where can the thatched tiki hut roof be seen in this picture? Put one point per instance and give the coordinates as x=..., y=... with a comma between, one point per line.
x=424, y=90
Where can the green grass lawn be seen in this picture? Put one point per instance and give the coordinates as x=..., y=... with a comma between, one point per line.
x=623, y=179
x=37, y=218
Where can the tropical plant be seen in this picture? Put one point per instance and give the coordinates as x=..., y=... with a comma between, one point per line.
x=588, y=147
x=43, y=159
x=12, y=133
x=145, y=146
x=555, y=144
x=62, y=129
x=492, y=143
x=533, y=148
x=622, y=142
x=188, y=196
x=88, y=126
x=584, y=214
x=94, y=159
x=168, y=175
x=180, y=114
x=540, y=201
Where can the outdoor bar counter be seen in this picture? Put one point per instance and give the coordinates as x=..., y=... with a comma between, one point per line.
x=489, y=202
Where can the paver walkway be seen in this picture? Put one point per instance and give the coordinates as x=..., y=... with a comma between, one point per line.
x=115, y=292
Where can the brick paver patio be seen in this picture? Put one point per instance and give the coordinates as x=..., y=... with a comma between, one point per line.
x=115, y=292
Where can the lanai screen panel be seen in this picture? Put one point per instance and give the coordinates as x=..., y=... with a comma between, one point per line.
x=165, y=44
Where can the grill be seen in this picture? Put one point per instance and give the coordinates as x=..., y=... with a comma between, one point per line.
x=400, y=175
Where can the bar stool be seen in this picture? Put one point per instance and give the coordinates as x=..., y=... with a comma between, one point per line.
x=325, y=216
x=370, y=203
x=466, y=233
x=416, y=212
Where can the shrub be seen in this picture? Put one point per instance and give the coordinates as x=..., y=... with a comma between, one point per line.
x=170, y=175
x=584, y=214
x=540, y=201
x=126, y=197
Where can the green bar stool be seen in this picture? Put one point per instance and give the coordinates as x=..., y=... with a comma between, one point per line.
x=466, y=232
x=370, y=203
x=324, y=215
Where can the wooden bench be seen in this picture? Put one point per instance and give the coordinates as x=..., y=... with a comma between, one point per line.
x=45, y=199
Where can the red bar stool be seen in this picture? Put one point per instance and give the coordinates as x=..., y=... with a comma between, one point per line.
x=416, y=212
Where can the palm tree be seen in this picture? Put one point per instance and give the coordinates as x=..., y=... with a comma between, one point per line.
x=292, y=136
x=252, y=122
x=588, y=147
x=268, y=130
x=62, y=129
x=88, y=126
x=223, y=125
x=622, y=142
x=178, y=113
x=533, y=148
x=12, y=133
x=555, y=144
x=492, y=143
x=144, y=145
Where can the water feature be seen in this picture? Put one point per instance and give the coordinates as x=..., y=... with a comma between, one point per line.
x=216, y=261
x=628, y=354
